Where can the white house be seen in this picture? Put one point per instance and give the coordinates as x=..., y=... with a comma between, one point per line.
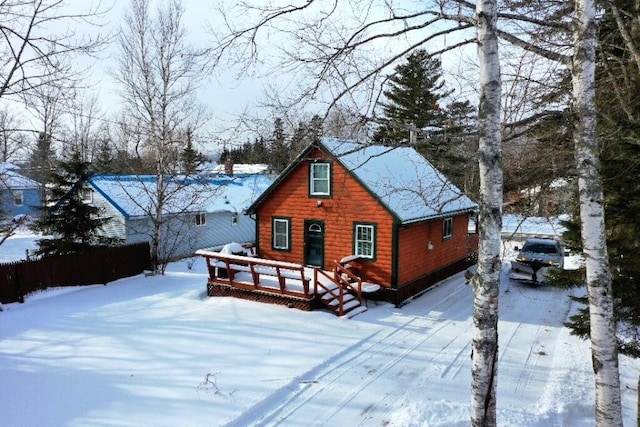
x=197, y=213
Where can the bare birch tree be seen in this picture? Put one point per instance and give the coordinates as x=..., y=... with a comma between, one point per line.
x=486, y=284
x=82, y=137
x=158, y=72
x=604, y=349
x=34, y=51
x=12, y=135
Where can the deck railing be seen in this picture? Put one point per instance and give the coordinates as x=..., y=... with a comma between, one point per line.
x=257, y=274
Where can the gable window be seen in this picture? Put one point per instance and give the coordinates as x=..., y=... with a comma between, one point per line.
x=281, y=234
x=87, y=195
x=201, y=219
x=364, y=240
x=447, y=228
x=18, y=198
x=320, y=179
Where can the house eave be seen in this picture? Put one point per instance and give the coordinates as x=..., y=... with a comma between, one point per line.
x=438, y=216
x=252, y=209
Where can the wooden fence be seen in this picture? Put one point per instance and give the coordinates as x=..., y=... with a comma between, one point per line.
x=98, y=266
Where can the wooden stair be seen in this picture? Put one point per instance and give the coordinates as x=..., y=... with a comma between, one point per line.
x=337, y=292
x=331, y=299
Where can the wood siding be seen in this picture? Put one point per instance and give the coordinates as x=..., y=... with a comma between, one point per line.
x=349, y=203
x=415, y=260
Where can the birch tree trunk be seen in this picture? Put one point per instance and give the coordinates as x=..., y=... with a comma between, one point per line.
x=604, y=352
x=486, y=284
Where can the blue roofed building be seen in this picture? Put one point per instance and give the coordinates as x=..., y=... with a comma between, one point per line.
x=197, y=213
x=19, y=195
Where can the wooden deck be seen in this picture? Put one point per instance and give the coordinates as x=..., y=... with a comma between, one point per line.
x=286, y=283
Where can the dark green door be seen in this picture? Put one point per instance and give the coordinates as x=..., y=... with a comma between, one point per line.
x=314, y=243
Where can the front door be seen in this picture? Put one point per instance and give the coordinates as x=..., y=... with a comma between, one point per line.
x=314, y=243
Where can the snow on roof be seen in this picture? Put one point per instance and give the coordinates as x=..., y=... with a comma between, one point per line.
x=135, y=195
x=402, y=179
x=540, y=226
x=7, y=166
x=9, y=178
x=241, y=168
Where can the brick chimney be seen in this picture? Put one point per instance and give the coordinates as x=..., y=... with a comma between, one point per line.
x=228, y=167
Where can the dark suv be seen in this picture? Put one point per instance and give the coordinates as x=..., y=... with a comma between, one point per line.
x=535, y=259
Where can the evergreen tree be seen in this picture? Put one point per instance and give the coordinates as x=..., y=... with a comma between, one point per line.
x=414, y=114
x=191, y=158
x=278, y=148
x=73, y=223
x=305, y=134
x=413, y=100
x=41, y=163
x=260, y=151
x=104, y=161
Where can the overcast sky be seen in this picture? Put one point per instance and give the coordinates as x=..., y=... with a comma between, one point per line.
x=224, y=95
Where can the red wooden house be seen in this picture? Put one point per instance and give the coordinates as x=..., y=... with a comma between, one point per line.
x=405, y=222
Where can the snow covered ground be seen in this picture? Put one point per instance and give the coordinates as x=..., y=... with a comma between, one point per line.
x=156, y=351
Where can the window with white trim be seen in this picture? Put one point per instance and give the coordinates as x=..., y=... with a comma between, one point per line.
x=87, y=195
x=201, y=219
x=364, y=240
x=447, y=228
x=18, y=198
x=320, y=179
x=281, y=234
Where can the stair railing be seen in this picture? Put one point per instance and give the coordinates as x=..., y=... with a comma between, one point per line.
x=339, y=296
x=345, y=278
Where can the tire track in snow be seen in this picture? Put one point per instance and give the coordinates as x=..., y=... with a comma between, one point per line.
x=530, y=364
x=373, y=351
x=384, y=369
x=535, y=332
x=377, y=413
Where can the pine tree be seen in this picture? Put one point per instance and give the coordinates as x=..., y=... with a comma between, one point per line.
x=104, y=161
x=278, y=148
x=305, y=134
x=413, y=100
x=41, y=163
x=73, y=223
x=191, y=158
x=413, y=114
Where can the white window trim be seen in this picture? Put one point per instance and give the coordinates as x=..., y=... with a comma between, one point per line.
x=201, y=219
x=87, y=195
x=18, y=194
x=287, y=226
x=312, y=188
x=356, y=242
x=446, y=228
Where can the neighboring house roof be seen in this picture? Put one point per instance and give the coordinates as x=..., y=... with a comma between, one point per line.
x=241, y=168
x=135, y=195
x=11, y=179
x=408, y=185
